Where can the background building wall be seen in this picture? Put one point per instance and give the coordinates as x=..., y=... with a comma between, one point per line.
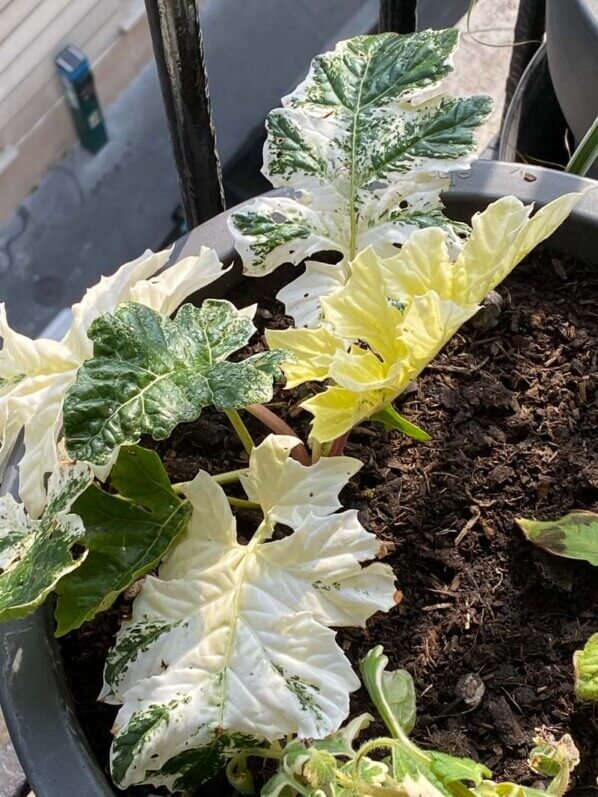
x=35, y=125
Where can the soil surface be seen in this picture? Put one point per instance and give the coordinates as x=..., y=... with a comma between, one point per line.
x=512, y=414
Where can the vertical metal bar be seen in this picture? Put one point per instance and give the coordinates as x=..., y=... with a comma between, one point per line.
x=178, y=50
x=529, y=28
x=398, y=16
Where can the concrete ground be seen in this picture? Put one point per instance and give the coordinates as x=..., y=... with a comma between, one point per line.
x=92, y=213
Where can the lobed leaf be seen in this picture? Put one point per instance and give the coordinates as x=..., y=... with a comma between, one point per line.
x=574, y=536
x=150, y=373
x=368, y=157
x=234, y=639
x=36, y=554
x=585, y=664
x=126, y=535
x=36, y=374
x=395, y=314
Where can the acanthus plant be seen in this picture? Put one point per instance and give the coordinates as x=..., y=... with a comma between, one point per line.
x=230, y=645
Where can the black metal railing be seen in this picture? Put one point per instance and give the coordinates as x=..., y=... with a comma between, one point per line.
x=399, y=16
x=178, y=50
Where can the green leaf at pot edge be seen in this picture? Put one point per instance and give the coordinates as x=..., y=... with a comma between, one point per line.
x=574, y=536
x=389, y=418
x=126, y=535
x=36, y=554
x=150, y=373
x=585, y=664
x=393, y=693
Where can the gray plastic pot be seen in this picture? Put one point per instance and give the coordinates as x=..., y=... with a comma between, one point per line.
x=572, y=38
x=534, y=128
x=35, y=697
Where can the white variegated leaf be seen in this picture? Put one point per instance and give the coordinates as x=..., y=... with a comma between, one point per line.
x=234, y=639
x=36, y=374
x=36, y=554
x=367, y=155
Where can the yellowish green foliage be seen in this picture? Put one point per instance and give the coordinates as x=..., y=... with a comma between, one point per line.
x=395, y=314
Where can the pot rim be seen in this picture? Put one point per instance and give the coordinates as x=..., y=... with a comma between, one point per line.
x=38, y=709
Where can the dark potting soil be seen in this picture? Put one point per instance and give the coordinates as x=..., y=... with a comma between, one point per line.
x=512, y=414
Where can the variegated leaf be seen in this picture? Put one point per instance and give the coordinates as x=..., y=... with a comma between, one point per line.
x=150, y=373
x=36, y=554
x=36, y=374
x=585, y=664
x=366, y=153
x=233, y=639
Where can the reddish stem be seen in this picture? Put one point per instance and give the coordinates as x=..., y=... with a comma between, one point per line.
x=278, y=426
x=338, y=445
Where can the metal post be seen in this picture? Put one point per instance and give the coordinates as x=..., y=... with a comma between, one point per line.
x=399, y=16
x=178, y=50
x=529, y=28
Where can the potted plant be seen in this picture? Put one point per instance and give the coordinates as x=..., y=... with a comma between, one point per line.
x=190, y=526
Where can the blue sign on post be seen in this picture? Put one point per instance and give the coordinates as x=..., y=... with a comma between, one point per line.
x=78, y=82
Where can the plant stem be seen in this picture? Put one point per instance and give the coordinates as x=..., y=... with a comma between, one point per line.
x=338, y=445
x=316, y=451
x=367, y=788
x=229, y=476
x=242, y=503
x=278, y=426
x=240, y=429
x=257, y=752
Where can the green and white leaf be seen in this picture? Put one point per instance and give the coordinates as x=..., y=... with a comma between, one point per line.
x=126, y=535
x=150, y=373
x=235, y=638
x=367, y=154
x=36, y=554
x=585, y=664
x=36, y=374
x=574, y=536
x=393, y=693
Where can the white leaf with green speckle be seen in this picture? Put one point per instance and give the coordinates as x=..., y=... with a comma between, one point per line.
x=36, y=554
x=235, y=637
x=150, y=372
x=366, y=152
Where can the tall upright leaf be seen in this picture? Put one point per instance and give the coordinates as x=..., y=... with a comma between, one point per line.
x=126, y=534
x=368, y=155
x=150, y=373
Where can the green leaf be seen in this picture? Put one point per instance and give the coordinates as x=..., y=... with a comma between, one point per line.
x=389, y=418
x=281, y=785
x=150, y=373
x=393, y=693
x=36, y=554
x=574, y=536
x=586, y=153
x=367, y=155
x=585, y=663
x=127, y=535
x=451, y=769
